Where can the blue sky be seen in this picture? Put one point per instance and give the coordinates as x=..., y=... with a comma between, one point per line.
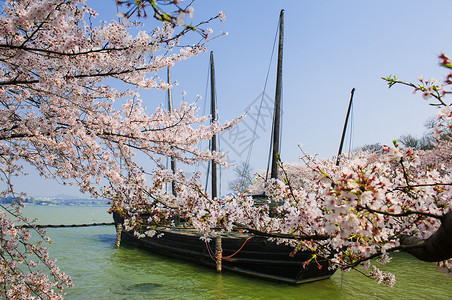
x=330, y=47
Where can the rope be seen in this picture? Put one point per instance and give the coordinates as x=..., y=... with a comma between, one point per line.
x=207, y=172
x=218, y=256
x=64, y=225
x=228, y=257
x=219, y=166
x=270, y=152
x=351, y=131
x=215, y=257
x=262, y=98
x=203, y=112
x=210, y=253
x=281, y=122
x=217, y=117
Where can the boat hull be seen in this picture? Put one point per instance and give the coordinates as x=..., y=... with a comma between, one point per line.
x=250, y=255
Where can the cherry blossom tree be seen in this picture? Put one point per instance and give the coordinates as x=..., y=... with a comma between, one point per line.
x=440, y=154
x=59, y=115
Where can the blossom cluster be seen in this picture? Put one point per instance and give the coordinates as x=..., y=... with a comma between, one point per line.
x=22, y=261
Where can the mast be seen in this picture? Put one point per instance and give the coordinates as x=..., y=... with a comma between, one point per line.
x=213, y=113
x=277, y=115
x=170, y=109
x=345, y=126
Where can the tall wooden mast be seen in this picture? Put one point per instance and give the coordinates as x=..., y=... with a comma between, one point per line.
x=277, y=113
x=344, y=130
x=213, y=113
x=170, y=109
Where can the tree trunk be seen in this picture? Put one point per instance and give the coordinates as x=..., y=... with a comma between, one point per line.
x=437, y=247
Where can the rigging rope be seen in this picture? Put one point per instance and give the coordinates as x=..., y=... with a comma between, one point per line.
x=209, y=251
x=203, y=113
x=217, y=118
x=219, y=166
x=274, y=114
x=207, y=173
x=351, y=131
x=270, y=149
x=250, y=149
x=218, y=148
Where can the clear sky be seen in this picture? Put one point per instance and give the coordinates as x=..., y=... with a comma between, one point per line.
x=330, y=47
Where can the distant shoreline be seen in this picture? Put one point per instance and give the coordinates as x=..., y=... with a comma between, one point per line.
x=74, y=205
x=58, y=201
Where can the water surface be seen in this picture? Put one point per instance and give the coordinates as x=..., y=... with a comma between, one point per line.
x=100, y=271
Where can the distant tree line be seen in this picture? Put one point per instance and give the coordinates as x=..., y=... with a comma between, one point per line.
x=428, y=141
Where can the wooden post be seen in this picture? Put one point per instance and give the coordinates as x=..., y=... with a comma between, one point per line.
x=118, y=235
x=218, y=252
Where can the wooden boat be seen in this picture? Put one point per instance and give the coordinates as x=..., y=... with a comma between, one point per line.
x=240, y=252
x=243, y=253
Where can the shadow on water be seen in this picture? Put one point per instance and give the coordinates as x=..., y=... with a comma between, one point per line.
x=106, y=239
x=159, y=277
x=145, y=288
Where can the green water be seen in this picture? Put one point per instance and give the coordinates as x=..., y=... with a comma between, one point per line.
x=100, y=271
